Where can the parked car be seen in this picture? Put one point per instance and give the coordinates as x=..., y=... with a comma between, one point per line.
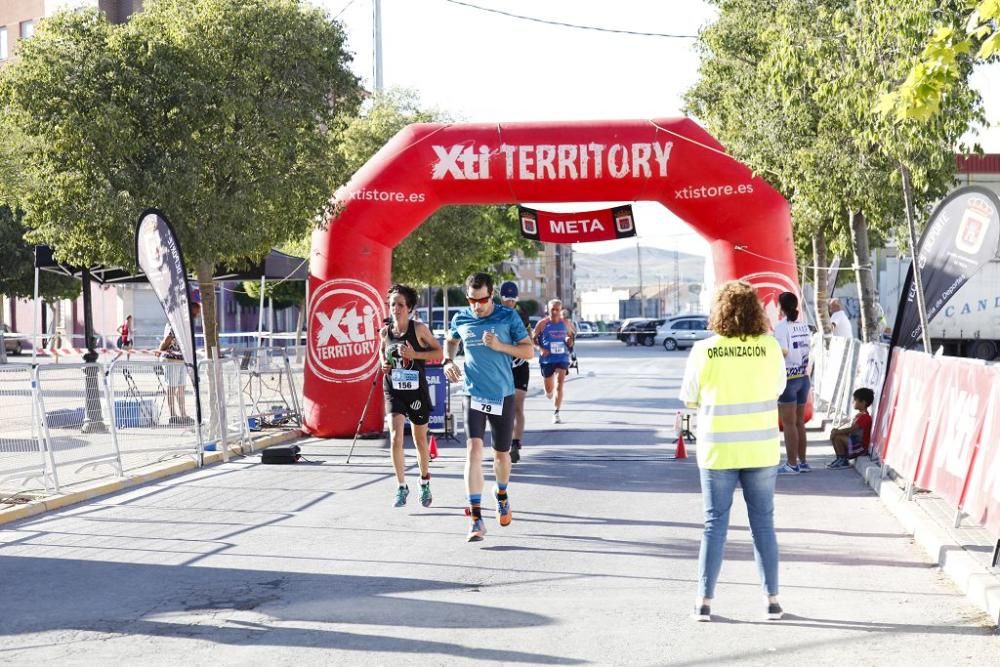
x=586, y=330
x=638, y=331
x=13, y=345
x=683, y=331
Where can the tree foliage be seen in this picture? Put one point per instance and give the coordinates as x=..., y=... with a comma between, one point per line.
x=222, y=113
x=940, y=68
x=456, y=240
x=791, y=87
x=17, y=269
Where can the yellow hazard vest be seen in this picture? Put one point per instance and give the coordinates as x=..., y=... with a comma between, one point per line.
x=738, y=387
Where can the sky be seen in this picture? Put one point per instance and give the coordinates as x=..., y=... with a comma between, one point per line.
x=479, y=66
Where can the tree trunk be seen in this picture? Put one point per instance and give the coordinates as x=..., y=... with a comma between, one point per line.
x=3, y=344
x=299, y=324
x=820, y=275
x=209, y=317
x=864, y=277
x=210, y=326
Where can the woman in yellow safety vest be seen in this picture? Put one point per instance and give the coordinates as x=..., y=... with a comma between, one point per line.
x=734, y=379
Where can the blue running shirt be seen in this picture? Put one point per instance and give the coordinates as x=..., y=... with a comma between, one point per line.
x=488, y=372
x=553, y=338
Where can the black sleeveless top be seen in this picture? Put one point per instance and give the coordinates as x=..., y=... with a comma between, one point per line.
x=391, y=355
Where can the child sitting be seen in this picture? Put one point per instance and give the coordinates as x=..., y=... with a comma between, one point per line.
x=852, y=441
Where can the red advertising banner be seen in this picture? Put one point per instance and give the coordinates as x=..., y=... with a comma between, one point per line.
x=907, y=437
x=981, y=500
x=585, y=227
x=951, y=442
x=882, y=428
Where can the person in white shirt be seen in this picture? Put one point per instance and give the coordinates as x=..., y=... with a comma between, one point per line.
x=794, y=337
x=839, y=320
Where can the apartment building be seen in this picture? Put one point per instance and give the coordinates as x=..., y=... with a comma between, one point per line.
x=19, y=18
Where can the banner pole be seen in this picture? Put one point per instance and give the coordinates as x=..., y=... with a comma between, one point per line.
x=915, y=256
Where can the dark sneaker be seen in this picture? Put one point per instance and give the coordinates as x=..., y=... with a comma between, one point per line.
x=702, y=614
x=477, y=531
x=425, y=494
x=842, y=464
x=504, y=515
x=833, y=463
x=805, y=467
x=774, y=611
x=787, y=469
x=515, y=453
x=401, y=494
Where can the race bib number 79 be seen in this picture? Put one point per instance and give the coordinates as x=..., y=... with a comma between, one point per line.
x=486, y=405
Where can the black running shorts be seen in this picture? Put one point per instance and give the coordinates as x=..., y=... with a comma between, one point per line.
x=414, y=405
x=501, y=425
x=522, y=374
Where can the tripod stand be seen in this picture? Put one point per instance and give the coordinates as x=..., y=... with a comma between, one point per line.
x=364, y=411
x=132, y=393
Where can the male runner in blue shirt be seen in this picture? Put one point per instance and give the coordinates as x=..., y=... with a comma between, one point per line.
x=491, y=334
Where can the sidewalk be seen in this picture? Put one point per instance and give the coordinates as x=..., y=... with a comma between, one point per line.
x=242, y=563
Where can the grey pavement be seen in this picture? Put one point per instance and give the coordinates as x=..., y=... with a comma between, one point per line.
x=243, y=563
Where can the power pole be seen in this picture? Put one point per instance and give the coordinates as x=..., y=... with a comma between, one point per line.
x=377, y=30
x=642, y=301
x=677, y=283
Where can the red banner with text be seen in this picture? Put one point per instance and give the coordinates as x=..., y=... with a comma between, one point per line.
x=882, y=428
x=585, y=227
x=921, y=408
x=948, y=449
x=981, y=499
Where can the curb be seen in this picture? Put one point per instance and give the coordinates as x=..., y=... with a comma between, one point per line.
x=976, y=582
x=105, y=488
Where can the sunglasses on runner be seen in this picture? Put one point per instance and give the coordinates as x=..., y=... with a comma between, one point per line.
x=484, y=300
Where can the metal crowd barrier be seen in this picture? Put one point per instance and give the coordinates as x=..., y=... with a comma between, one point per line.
x=271, y=384
x=68, y=424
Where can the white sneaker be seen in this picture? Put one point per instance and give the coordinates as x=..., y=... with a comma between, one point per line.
x=555, y=418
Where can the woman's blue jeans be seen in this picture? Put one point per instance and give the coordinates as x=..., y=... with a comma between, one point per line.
x=717, y=488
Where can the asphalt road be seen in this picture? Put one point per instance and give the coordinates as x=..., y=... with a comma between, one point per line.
x=309, y=564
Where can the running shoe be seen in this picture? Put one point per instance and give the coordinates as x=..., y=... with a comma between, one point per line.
x=425, y=494
x=515, y=453
x=555, y=418
x=477, y=531
x=805, y=467
x=401, y=494
x=774, y=611
x=702, y=613
x=834, y=463
x=504, y=515
x=787, y=469
x=843, y=464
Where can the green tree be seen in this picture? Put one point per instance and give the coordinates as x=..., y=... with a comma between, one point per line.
x=222, y=113
x=456, y=240
x=942, y=65
x=17, y=270
x=790, y=86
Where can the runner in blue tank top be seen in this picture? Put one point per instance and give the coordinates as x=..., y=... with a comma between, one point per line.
x=554, y=337
x=491, y=334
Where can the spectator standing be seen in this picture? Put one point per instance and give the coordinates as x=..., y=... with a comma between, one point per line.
x=839, y=320
x=734, y=379
x=793, y=335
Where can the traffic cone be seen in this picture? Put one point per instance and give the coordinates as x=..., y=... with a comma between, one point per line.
x=680, y=452
x=433, y=449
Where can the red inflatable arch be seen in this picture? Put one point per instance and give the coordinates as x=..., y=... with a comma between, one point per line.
x=426, y=166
